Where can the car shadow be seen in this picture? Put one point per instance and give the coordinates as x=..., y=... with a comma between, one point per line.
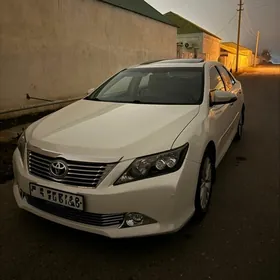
x=93, y=242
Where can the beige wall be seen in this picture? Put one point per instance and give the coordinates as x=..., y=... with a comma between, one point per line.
x=211, y=47
x=58, y=49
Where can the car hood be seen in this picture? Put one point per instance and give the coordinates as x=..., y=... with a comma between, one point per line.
x=105, y=131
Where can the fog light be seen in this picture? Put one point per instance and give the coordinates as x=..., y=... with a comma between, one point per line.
x=134, y=219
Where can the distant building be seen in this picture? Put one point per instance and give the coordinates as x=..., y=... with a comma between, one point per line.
x=228, y=56
x=194, y=41
x=59, y=49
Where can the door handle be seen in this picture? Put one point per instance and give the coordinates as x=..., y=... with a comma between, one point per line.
x=231, y=104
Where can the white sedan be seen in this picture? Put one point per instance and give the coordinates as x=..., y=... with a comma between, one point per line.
x=138, y=155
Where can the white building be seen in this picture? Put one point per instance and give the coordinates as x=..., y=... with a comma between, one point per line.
x=193, y=40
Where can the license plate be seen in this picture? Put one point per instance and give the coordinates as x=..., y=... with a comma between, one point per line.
x=57, y=197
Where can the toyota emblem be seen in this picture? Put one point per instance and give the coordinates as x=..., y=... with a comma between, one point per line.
x=58, y=168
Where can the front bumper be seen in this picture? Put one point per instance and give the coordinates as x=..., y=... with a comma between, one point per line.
x=168, y=200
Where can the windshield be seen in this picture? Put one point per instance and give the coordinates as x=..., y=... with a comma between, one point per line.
x=153, y=86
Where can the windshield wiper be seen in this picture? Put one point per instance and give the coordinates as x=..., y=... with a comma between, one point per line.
x=137, y=101
x=144, y=102
x=92, y=99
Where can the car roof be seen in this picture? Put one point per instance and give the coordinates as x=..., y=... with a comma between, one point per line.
x=174, y=63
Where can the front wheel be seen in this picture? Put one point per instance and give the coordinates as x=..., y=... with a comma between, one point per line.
x=204, y=186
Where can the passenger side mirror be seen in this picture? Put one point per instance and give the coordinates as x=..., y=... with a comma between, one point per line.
x=219, y=97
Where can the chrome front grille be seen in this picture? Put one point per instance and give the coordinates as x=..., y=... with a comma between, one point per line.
x=84, y=174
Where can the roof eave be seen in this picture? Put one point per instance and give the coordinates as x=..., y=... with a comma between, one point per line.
x=165, y=21
x=200, y=28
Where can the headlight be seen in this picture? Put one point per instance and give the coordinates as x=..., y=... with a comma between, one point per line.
x=154, y=165
x=21, y=144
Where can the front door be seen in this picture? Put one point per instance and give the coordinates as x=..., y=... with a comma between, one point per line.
x=220, y=116
x=235, y=108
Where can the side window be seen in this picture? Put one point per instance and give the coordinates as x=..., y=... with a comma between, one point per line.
x=216, y=82
x=233, y=82
x=226, y=77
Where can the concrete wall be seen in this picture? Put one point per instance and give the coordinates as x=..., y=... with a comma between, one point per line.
x=57, y=49
x=211, y=47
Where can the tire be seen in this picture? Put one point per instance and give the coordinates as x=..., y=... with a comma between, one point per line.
x=204, y=186
x=239, y=132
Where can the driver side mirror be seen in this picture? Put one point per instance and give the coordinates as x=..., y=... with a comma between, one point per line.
x=219, y=97
x=90, y=91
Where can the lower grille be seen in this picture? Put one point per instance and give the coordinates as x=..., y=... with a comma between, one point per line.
x=100, y=220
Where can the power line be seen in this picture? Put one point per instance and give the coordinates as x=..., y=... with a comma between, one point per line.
x=261, y=6
x=248, y=30
x=225, y=26
x=247, y=18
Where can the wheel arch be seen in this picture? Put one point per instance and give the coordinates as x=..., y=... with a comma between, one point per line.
x=211, y=150
x=243, y=112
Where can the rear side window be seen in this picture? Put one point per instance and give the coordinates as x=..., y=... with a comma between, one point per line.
x=216, y=82
x=226, y=77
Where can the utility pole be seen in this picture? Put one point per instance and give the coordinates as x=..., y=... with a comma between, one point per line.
x=257, y=48
x=240, y=9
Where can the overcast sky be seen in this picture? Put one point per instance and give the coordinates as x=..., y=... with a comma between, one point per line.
x=220, y=18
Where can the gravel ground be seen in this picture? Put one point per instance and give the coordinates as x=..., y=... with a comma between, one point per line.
x=6, y=152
